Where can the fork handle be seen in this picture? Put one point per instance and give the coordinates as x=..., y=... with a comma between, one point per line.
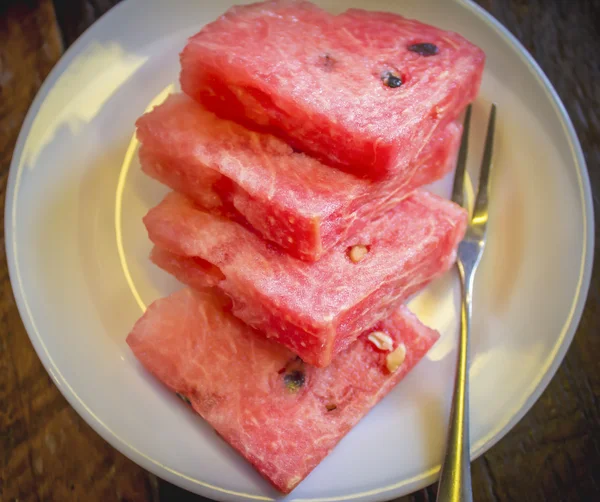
x=455, y=475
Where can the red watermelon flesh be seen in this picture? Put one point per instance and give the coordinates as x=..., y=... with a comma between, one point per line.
x=283, y=416
x=329, y=85
x=290, y=198
x=316, y=309
x=198, y=273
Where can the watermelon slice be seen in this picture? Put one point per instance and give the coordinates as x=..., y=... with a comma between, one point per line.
x=194, y=271
x=290, y=198
x=315, y=309
x=363, y=91
x=283, y=416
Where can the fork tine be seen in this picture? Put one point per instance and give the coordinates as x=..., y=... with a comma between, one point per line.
x=480, y=212
x=461, y=165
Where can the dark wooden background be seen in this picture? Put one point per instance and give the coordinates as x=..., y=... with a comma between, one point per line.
x=47, y=453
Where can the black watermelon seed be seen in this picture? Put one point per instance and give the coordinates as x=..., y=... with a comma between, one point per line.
x=183, y=398
x=391, y=80
x=425, y=49
x=327, y=62
x=294, y=380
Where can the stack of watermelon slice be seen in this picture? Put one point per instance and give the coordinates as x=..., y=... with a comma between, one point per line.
x=296, y=154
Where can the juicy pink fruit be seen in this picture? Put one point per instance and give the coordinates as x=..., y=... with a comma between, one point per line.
x=283, y=416
x=198, y=273
x=315, y=309
x=290, y=198
x=322, y=82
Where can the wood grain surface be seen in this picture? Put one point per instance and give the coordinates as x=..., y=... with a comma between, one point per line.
x=47, y=453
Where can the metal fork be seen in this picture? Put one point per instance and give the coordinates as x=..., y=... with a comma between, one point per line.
x=455, y=476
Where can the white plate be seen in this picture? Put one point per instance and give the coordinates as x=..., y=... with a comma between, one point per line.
x=77, y=251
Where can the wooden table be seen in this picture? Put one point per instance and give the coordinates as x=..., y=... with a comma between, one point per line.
x=47, y=453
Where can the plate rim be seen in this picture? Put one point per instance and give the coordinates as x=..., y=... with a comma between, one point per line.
x=538, y=386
